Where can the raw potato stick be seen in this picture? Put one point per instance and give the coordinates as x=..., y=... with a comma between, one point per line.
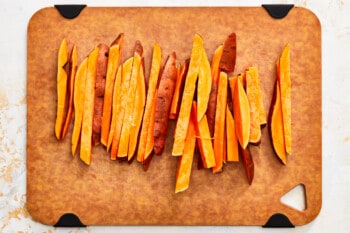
x=285, y=88
x=61, y=88
x=261, y=110
x=79, y=97
x=138, y=109
x=101, y=71
x=88, y=112
x=116, y=99
x=232, y=142
x=253, y=96
x=204, y=85
x=203, y=138
x=215, y=73
x=228, y=58
x=276, y=125
x=219, y=132
x=185, y=161
x=165, y=94
x=180, y=81
x=73, y=65
x=119, y=104
x=150, y=132
x=130, y=99
x=187, y=97
x=114, y=58
x=152, y=85
x=241, y=113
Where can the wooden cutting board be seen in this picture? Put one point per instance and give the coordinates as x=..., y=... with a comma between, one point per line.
x=118, y=193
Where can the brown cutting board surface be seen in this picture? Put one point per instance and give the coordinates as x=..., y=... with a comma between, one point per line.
x=118, y=193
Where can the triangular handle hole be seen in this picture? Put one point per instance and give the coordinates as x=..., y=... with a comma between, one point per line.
x=296, y=198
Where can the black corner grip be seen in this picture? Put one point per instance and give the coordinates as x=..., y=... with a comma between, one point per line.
x=70, y=11
x=69, y=220
x=278, y=11
x=278, y=220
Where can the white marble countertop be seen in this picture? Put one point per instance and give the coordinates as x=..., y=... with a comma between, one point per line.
x=334, y=16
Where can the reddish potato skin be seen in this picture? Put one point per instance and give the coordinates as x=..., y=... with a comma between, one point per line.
x=163, y=103
x=228, y=58
x=101, y=71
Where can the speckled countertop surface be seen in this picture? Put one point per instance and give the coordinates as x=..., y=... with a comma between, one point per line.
x=335, y=21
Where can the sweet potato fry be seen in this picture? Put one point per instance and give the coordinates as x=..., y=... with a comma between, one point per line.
x=187, y=97
x=101, y=71
x=242, y=77
x=224, y=154
x=61, y=88
x=228, y=58
x=86, y=133
x=165, y=94
x=138, y=110
x=276, y=125
x=241, y=114
x=152, y=85
x=285, y=88
x=203, y=138
x=185, y=161
x=79, y=96
x=232, y=83
x=180, y=81
x=204, y=85
x=73, y=65
x=118, y=111
x=219, y=130
x=114, y=58
x=128, y=114
x=253, y=96
x=261, y=110
x=215, y=73
x=232, y=142
x=150, y=132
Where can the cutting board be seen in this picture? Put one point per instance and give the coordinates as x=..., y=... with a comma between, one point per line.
x=118, y=193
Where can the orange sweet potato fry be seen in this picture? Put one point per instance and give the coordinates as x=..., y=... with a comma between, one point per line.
x=114, y=58
x=138, y=110
x=150, y=132
x=276, y=125
x=187, y=97
x=165, y=94
x=185, y=161
x=241, y=114
x=118, y=110
x=145, y=137
x=61, y=88
x=259, y=100
x=224, y=154
x=242, y=77
x=86, y=131
x=219, y=130
x=285, y=88
x=253, y=97
x=232, y=141
x=78, y=99
x=130, y=100
x=175, y=105
x=203, y=138
x=215, y=73
x=204, y=85
x=73, y=65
